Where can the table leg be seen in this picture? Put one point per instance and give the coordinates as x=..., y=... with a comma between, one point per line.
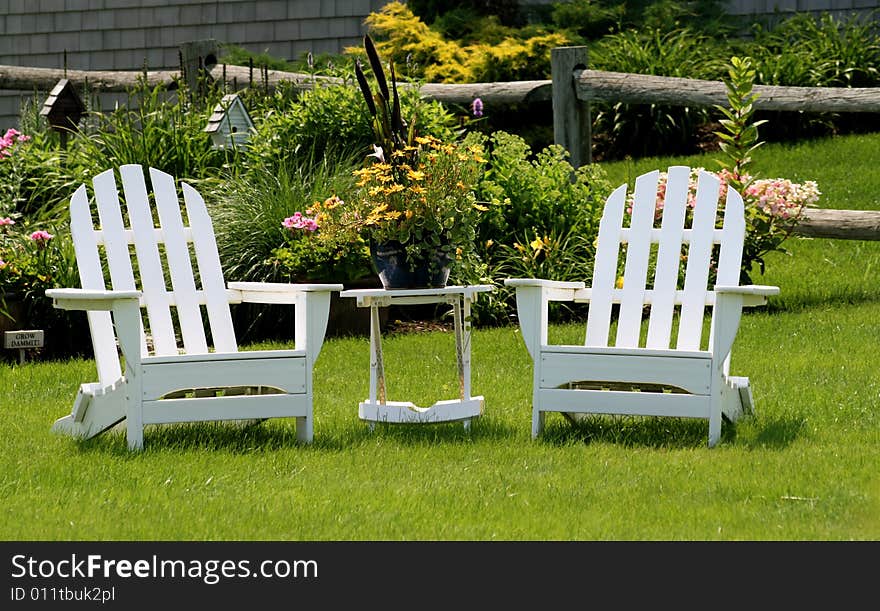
x=466, y=351
x=377, y=367
x=459, y=349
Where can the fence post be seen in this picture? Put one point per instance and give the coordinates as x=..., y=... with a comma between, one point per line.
x=571, y=117
x=197, y=58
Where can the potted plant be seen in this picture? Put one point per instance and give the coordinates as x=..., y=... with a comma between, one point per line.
x=414, y=202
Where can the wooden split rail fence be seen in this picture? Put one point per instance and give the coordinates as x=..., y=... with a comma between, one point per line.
x=571, y=90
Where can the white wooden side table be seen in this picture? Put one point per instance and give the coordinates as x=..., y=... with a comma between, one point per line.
x=377, y=408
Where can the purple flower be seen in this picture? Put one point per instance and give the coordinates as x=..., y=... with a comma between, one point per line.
x=477, y=107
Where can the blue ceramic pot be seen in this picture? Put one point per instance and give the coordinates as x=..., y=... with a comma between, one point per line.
x=395, y=272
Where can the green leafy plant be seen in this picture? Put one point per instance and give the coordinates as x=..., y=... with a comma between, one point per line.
x=738, y=137
x=532, y=192
x=772, y=207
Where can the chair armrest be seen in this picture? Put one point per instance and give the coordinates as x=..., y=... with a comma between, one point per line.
x=277, y=292
x=752, y=294
x=532, y=298
x=550, y=284
x=90, y=299
x=553, y=290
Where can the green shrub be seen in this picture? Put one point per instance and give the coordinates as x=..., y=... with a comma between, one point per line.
x=333, y=120
x=542, y=220
x=534, y=193
x=591, y=20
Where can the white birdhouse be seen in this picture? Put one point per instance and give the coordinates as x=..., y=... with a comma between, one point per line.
x=230, y=124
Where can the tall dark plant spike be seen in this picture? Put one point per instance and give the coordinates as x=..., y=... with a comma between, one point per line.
x=376, y=65
x=396, y=121
x=365, y=87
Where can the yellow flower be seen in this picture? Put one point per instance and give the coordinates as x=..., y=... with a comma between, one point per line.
x=619, y=283
x=409, y=214
x=489, y=243
x=392, y=189
x=415, y=175
x=537, y=244
x=480, y=207
x=417, y=189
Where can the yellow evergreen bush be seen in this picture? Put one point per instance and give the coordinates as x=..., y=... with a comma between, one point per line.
x=407, y=40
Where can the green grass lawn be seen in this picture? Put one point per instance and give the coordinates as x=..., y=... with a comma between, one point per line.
x=804, y=468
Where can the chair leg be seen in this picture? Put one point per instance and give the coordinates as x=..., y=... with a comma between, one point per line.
x=134, y=434
x=304, y=431
x=134, y=419
x=537, y=422
x=715, y=420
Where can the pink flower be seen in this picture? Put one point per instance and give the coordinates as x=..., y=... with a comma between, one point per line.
x=2, y=263
x=41, y=236
x=6, y=221
x=298, y=221
x=11, y=137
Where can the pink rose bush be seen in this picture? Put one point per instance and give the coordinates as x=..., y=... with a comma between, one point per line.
x=773, y=207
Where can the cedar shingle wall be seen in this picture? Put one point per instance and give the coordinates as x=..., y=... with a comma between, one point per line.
x=123, y=34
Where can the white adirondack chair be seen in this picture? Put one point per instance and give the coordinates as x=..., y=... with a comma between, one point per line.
x=654, y=375
x=165, y=382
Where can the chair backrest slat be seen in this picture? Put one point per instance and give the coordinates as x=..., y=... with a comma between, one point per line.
x=115, y=244
x=638, y=251
x=210, y=271
x=690, y=329
x=668, y=258
x=88, y=261
x=733, y=231
x=179, y=265
x=605, y=269
x=146, y=245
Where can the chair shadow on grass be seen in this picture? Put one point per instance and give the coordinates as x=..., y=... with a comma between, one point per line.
x=239, y=437
x=277, y=435
x=667, y=432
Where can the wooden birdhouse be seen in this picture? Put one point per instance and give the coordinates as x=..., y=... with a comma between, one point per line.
x=63, y=108
x=230, y=124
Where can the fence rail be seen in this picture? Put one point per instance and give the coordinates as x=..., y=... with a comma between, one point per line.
x=106, y=81
x=575, y=86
